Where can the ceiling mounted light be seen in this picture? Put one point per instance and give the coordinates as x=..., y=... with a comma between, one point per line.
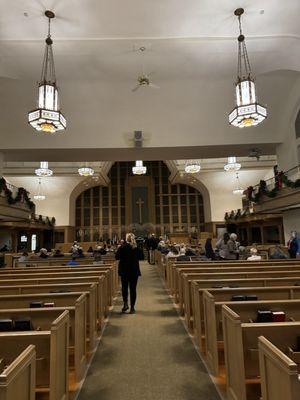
x=48, y=117
x=232, y=165
x=248, y=112
x=86, y=171
x=43, y=170
x=139, y=168
x=39, y=196
x=238, y=190
x=192, y=167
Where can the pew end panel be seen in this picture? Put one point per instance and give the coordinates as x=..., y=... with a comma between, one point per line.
x=17, y=381
x=279, y=374
x=59, y=362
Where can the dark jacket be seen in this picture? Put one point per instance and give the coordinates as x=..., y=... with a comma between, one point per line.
x=128, y=261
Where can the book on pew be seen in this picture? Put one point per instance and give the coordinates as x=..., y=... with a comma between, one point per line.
x=251, y=297
x=238, y=298
x=278, y=316
x=22, y=324
x=36, y=304
x=49, y=304
x=264, y=316
x=6, y=325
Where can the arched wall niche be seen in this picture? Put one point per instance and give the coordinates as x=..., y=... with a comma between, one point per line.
x=102, y=211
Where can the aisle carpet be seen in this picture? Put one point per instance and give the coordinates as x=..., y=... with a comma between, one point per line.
x=147, y=356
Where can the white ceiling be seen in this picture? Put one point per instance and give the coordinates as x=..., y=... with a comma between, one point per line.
x=192, y=52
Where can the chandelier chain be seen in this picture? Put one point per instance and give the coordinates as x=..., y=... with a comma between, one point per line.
x=48, y=67
x=243, y=58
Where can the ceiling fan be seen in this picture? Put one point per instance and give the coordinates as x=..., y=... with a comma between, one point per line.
x=144, y=79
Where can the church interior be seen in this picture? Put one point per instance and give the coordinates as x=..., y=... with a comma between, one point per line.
x=150, y=200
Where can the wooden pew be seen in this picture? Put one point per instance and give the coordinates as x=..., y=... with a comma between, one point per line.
x=241, y=350
x=247, y=311
x=17, y=380
x=109, y=285
x=98, y=279
x=188, y=278
x=251, y=267
x=50, y=261
x=60, y=300
x=42, y=318
x=211, y=297
x=61, y=268
x=172, y=266
x=279, y=373
x=52, y=355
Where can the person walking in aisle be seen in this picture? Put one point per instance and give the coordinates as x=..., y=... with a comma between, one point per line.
x=129, y=270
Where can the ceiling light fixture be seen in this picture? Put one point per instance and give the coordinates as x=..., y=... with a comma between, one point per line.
x=48, y=117
x=192, y=167
x=248, y=112
x=232, y=165
x=238, y=190
x=39, y=196
x=86, y=171
x=43, y=170
x=139, y=168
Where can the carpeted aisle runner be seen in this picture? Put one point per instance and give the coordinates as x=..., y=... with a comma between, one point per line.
x=147, y=356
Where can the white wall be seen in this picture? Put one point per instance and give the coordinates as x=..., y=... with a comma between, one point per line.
x=57, y=190
x=291, y=222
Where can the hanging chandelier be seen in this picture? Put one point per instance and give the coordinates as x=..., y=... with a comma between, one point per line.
x=43, y=170
x=238, y=190
x=48, y=117
x=232, y=165
x=86, y=171
x=192, y=167
x=39, y=196
x=139, y=168
x=248, y=112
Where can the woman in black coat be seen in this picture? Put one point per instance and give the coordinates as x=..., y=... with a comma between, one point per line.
x=129, y=270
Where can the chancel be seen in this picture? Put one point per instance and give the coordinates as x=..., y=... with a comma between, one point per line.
x=149, y=249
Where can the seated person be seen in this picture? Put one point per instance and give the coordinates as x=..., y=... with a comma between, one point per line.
x=24, y=257
x=102, y=250
x=43, y=253
x=90, y=250
x=277, y=254
x=58, y=253
x=80, y=253
x=4, y=249
x=173, y=252
x=97, y=259
x=73, y=261
x=189, y=252
x=253, y=255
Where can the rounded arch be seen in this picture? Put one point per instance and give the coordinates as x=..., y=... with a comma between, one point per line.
x=198, y=185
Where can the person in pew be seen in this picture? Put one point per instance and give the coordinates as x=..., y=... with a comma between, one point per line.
x=129, y=270
x=277, y=254
x=209, y=251
x=80, y=253
x=73, y=261
x=58, y=253
x=43, y=253
x=97, y=259
x=222, y=246
x=24, y=257
x=233, y=247
x=173, y=252
x=253, y=255
x=90, y=250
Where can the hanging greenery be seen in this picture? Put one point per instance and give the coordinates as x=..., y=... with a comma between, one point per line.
x=281, y=181
x=22, y=195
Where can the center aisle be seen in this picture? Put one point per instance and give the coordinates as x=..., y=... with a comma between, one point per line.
x=147, y=356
